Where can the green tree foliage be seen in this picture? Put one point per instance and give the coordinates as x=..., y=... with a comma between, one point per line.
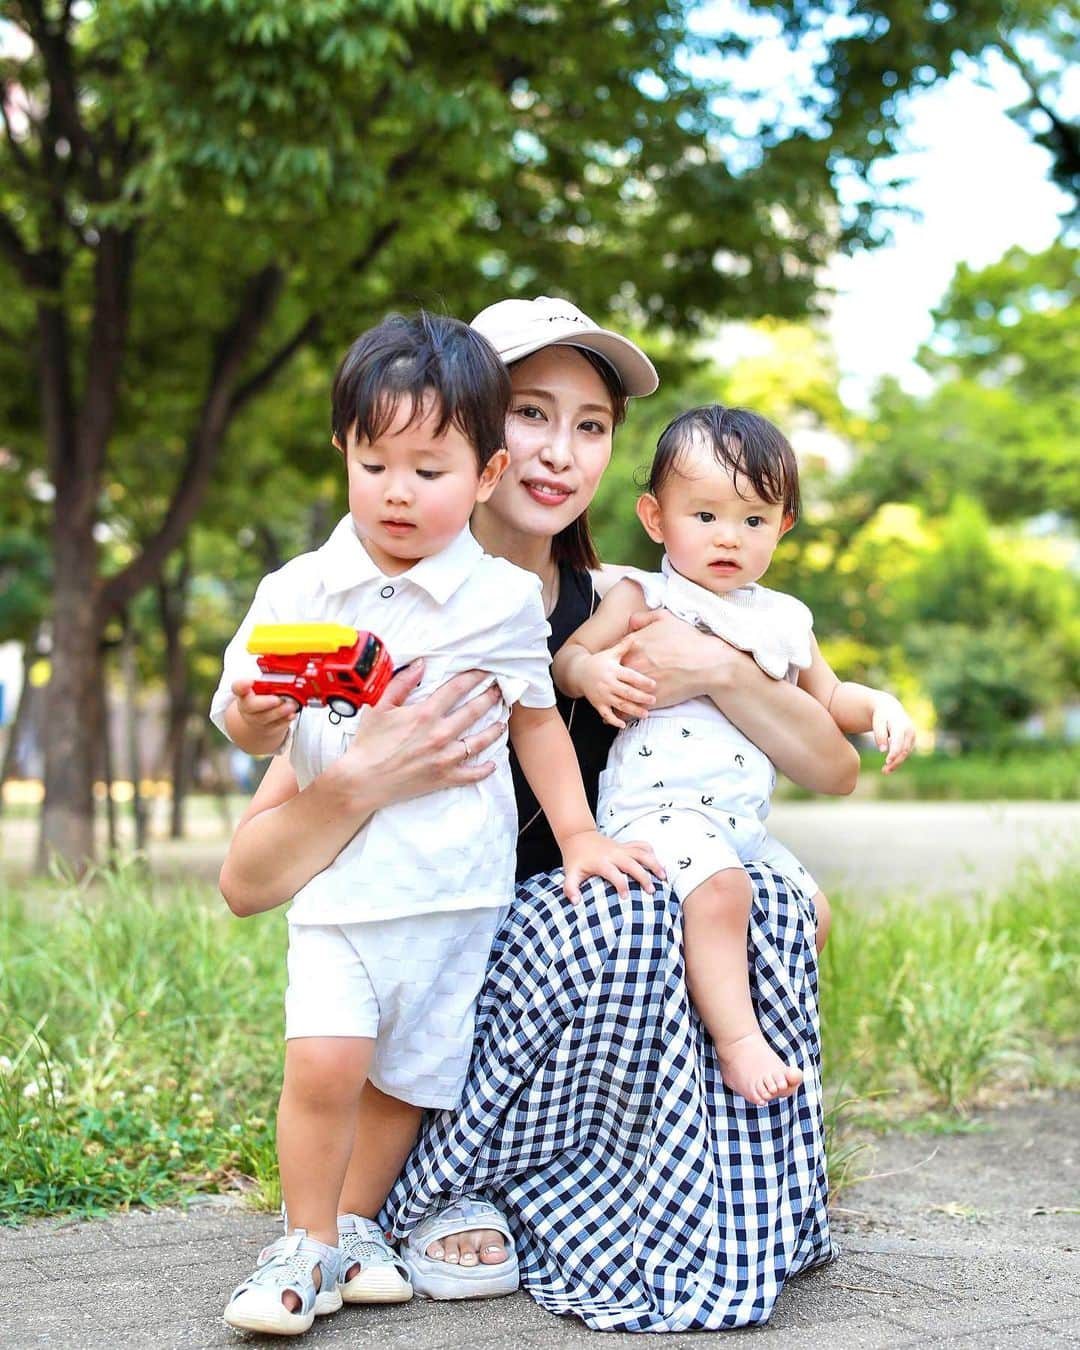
x=982, y=681
x=876, y=50
x=1002, y=423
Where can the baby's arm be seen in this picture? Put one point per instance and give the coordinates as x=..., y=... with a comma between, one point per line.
x=546, y=755
x=856, y=707
x=589, y=664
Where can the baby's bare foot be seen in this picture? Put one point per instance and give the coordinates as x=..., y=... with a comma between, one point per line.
x=485, y=1246
x=750, y=1068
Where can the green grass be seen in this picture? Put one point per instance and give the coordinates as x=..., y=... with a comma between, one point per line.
x=940, y=1003
x=142, y=1042
x=1035, y=772
x=140, y=1031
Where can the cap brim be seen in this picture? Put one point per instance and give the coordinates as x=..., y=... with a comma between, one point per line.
x=637, y=372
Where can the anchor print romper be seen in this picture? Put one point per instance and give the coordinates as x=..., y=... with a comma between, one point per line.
x=684, y=779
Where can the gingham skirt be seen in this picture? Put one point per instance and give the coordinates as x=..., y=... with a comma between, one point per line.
x=642, y=1194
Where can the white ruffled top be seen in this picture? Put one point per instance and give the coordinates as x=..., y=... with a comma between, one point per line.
x=773, y=627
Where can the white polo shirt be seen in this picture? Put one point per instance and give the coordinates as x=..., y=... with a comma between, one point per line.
x=460, y=610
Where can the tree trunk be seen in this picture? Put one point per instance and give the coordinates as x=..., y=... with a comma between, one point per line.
x=181, y=780
x=172, y=606
x=131, y=727
x=107, y=767
x=74, y=703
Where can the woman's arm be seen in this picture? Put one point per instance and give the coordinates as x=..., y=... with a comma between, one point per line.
x=790, y=726
x=287, y=836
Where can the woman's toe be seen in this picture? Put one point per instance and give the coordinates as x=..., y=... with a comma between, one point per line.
x=436, y=1251
x=492, y=1248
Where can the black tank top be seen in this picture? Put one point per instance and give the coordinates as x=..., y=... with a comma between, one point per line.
x=537, y=850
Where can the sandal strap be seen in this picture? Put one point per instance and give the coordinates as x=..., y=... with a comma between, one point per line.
x=362, y=1242
x=462, y=1216
x=288, y=1266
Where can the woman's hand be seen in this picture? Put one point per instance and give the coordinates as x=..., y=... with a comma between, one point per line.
x=785, y=722
x=287, y=835
x=682, y=662
x=410, y=751
x=591, y=854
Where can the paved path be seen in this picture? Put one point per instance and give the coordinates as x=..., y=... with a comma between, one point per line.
x=866, y=849
x=968, y=1240
x=922, y=848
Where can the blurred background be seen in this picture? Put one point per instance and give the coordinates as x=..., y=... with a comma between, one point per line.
x=857, y=218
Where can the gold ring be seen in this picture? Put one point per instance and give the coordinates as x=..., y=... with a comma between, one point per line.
x=465, y=747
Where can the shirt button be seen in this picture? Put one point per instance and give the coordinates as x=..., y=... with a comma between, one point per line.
x=387, y=592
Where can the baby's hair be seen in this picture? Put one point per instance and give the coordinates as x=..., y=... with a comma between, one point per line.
x=745, y=443
x=414, y=357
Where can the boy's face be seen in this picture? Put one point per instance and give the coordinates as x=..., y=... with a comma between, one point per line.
x=412, y=492
x=717, y=532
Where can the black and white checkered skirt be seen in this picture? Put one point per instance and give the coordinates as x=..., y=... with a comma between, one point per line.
x=643, y=1195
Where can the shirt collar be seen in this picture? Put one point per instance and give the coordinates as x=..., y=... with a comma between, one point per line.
x=344, y=562
x=690, y=591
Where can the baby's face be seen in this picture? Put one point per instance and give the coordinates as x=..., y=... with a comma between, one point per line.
x=411, y=492
x=717, y=531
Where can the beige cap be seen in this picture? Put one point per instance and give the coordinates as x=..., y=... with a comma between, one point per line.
x=517, y=328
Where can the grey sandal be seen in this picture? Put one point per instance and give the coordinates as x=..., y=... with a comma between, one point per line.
x=287, y=1266
x=441, y=1279
x=382, y=1277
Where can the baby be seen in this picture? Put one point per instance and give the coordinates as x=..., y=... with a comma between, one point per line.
x=388, y=944
x=723, y=490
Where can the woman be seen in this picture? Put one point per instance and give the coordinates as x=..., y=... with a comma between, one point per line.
x=642, y=1196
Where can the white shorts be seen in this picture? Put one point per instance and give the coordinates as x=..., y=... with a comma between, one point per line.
x=693, y=846
x=409, y=983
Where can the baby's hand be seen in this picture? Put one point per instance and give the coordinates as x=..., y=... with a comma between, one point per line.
x=262, y=715
x=894, y=732
x=613, y=688
x=591, y=854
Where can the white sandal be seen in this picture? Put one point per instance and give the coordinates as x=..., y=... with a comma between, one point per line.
x=446, y=1280
x=382, y=1277
x=286, y=1266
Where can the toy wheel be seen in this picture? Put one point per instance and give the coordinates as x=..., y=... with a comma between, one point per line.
x=341, y=706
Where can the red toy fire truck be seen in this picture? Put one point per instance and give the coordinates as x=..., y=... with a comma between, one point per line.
x=321, y=663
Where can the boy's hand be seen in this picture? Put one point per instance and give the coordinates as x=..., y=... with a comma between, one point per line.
x=591, y=854
x=615, y=689
x=894, y=732
x=263, y=714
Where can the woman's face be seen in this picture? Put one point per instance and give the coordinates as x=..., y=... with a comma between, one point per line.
x=559, y=438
